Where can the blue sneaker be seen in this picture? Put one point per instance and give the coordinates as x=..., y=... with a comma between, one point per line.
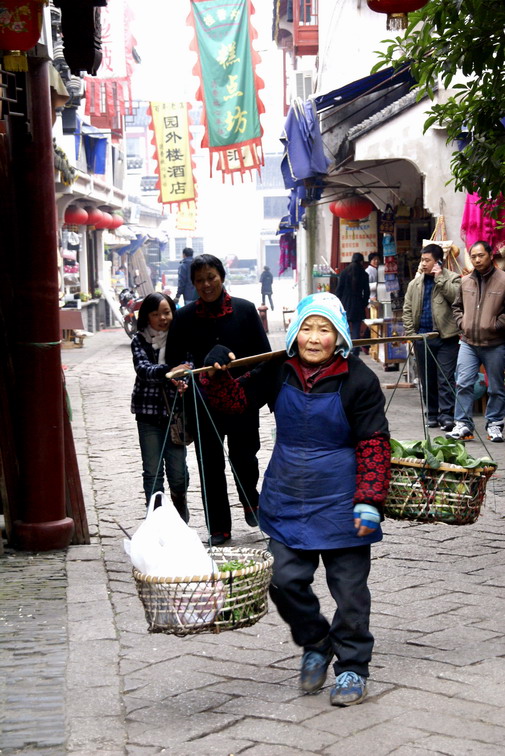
x=349, y=689
x=314, y=669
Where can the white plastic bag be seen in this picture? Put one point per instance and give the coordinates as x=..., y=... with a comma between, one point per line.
x=165, y=546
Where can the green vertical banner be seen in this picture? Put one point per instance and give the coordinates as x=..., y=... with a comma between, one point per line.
x=228, y=83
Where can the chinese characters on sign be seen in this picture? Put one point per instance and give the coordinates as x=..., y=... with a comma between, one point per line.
x=169, y=123
x=358, y=237
x=229, y=85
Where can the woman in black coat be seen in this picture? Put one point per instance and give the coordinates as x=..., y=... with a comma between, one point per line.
x=217, y=318
x=353, y=290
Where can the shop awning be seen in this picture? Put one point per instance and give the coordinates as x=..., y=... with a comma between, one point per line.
x=385, y=79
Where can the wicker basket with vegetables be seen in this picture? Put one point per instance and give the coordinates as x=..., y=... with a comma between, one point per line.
x=436, y=481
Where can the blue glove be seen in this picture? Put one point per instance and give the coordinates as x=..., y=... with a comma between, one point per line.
x=219, y=354
x=368, y=514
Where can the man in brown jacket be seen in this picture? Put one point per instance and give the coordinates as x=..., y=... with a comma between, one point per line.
x=479, y=311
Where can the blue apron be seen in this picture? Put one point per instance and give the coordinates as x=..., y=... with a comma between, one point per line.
x=308, y=489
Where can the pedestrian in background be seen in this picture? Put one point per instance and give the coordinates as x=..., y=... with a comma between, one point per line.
x=185, y=286
x=372, y=272
x=324, y=488
x=218, y=318
x=152, y=393
x=353, y=290
x=428, y=307
x=479, y=311
x=266, y=280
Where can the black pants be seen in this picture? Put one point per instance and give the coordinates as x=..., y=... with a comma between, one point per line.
x=438, y=384
x=269, y=299
x=347, y=571
x=242, y=434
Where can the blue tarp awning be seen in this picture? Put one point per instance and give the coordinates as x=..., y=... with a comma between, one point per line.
x=389, y=77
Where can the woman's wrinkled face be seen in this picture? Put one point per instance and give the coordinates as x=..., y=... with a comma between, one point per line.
x=208, y=283
x=317, y=339
x=161, y=318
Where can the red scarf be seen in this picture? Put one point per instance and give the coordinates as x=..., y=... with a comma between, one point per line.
x=218, y=309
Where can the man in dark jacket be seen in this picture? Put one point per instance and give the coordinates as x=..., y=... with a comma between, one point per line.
x=353, y=290
x=185, y=287
x=479, y=311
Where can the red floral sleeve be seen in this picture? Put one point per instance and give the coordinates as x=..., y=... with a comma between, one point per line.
x=373, y=470
x=224, y=393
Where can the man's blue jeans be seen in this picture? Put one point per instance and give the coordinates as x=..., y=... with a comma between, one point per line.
x=470, y=359
x=159, y=452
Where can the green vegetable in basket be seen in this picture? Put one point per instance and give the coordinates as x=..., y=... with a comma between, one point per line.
x=439, y=450
x=234, y=564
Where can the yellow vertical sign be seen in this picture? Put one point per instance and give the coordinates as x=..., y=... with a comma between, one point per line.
x=173, y=151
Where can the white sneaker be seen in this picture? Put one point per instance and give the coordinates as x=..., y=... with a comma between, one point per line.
x=494, y=433
x=461, y=432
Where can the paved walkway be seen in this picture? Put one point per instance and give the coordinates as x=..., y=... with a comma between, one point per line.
x=80, y=674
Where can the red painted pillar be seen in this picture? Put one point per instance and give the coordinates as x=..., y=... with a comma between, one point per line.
x=40, y=430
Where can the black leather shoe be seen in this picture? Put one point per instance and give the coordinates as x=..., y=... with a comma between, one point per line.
x=217, y=539
x=432, y=423
x=251, y=516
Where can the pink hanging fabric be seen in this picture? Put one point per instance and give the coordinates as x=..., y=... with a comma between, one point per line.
x=477, y=226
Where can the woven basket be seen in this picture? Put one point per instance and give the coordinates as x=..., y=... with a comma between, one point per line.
x=450, y=493
x=209, y=603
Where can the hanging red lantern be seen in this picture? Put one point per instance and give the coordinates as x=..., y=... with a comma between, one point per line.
x=117, y=221
x=20, y=26
x=105, y=221
x=94, y=215
x=397, y=11
x=352, y=208
x=75, y=216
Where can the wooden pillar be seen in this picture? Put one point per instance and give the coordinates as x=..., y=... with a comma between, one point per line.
x=40, y=430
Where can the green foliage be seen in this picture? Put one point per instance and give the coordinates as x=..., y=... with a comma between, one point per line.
x=445, y=39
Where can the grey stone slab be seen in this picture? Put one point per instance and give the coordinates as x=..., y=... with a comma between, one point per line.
x=453, y=747
x=280, y=733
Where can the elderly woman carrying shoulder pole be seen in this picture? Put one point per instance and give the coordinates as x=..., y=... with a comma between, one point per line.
x=324, y=488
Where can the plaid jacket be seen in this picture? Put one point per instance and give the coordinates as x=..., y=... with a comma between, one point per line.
x=147, y=396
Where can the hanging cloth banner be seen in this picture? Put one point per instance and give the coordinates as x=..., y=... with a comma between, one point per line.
x=228, y=83
x=108, y=94
x=172, y=145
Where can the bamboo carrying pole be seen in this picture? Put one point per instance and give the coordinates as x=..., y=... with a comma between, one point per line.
x=253, y=359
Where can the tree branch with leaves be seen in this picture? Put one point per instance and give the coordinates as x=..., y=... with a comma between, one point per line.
x=461, y=43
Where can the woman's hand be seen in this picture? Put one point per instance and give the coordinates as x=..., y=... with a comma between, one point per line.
x=366, y=519
x=219, y=358
x=181, y=384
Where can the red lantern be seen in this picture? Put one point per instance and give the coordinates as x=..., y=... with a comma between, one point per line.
x=94, y=216
x=352, y=208
x=105, y=221
x=75, y=216
x=117, y=221
x=20, y=25
x=397, y=11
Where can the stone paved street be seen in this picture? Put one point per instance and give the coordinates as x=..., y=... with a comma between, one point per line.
x=81, y=675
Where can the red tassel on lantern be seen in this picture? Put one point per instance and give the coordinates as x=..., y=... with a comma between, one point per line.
x=397, y=11
x=352, y=208
x=20, y=26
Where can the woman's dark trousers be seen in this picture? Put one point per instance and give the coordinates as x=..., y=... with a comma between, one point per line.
x=347, y=572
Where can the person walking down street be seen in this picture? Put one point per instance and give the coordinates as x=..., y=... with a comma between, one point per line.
x=353, y=290
x=151, y=394
x=324, y=488
x=266, y=280
x=218, y=318
x=428, y=307
x=185, y=286
x=479, y=311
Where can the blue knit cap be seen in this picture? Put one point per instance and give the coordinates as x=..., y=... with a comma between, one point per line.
x=328, y=306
